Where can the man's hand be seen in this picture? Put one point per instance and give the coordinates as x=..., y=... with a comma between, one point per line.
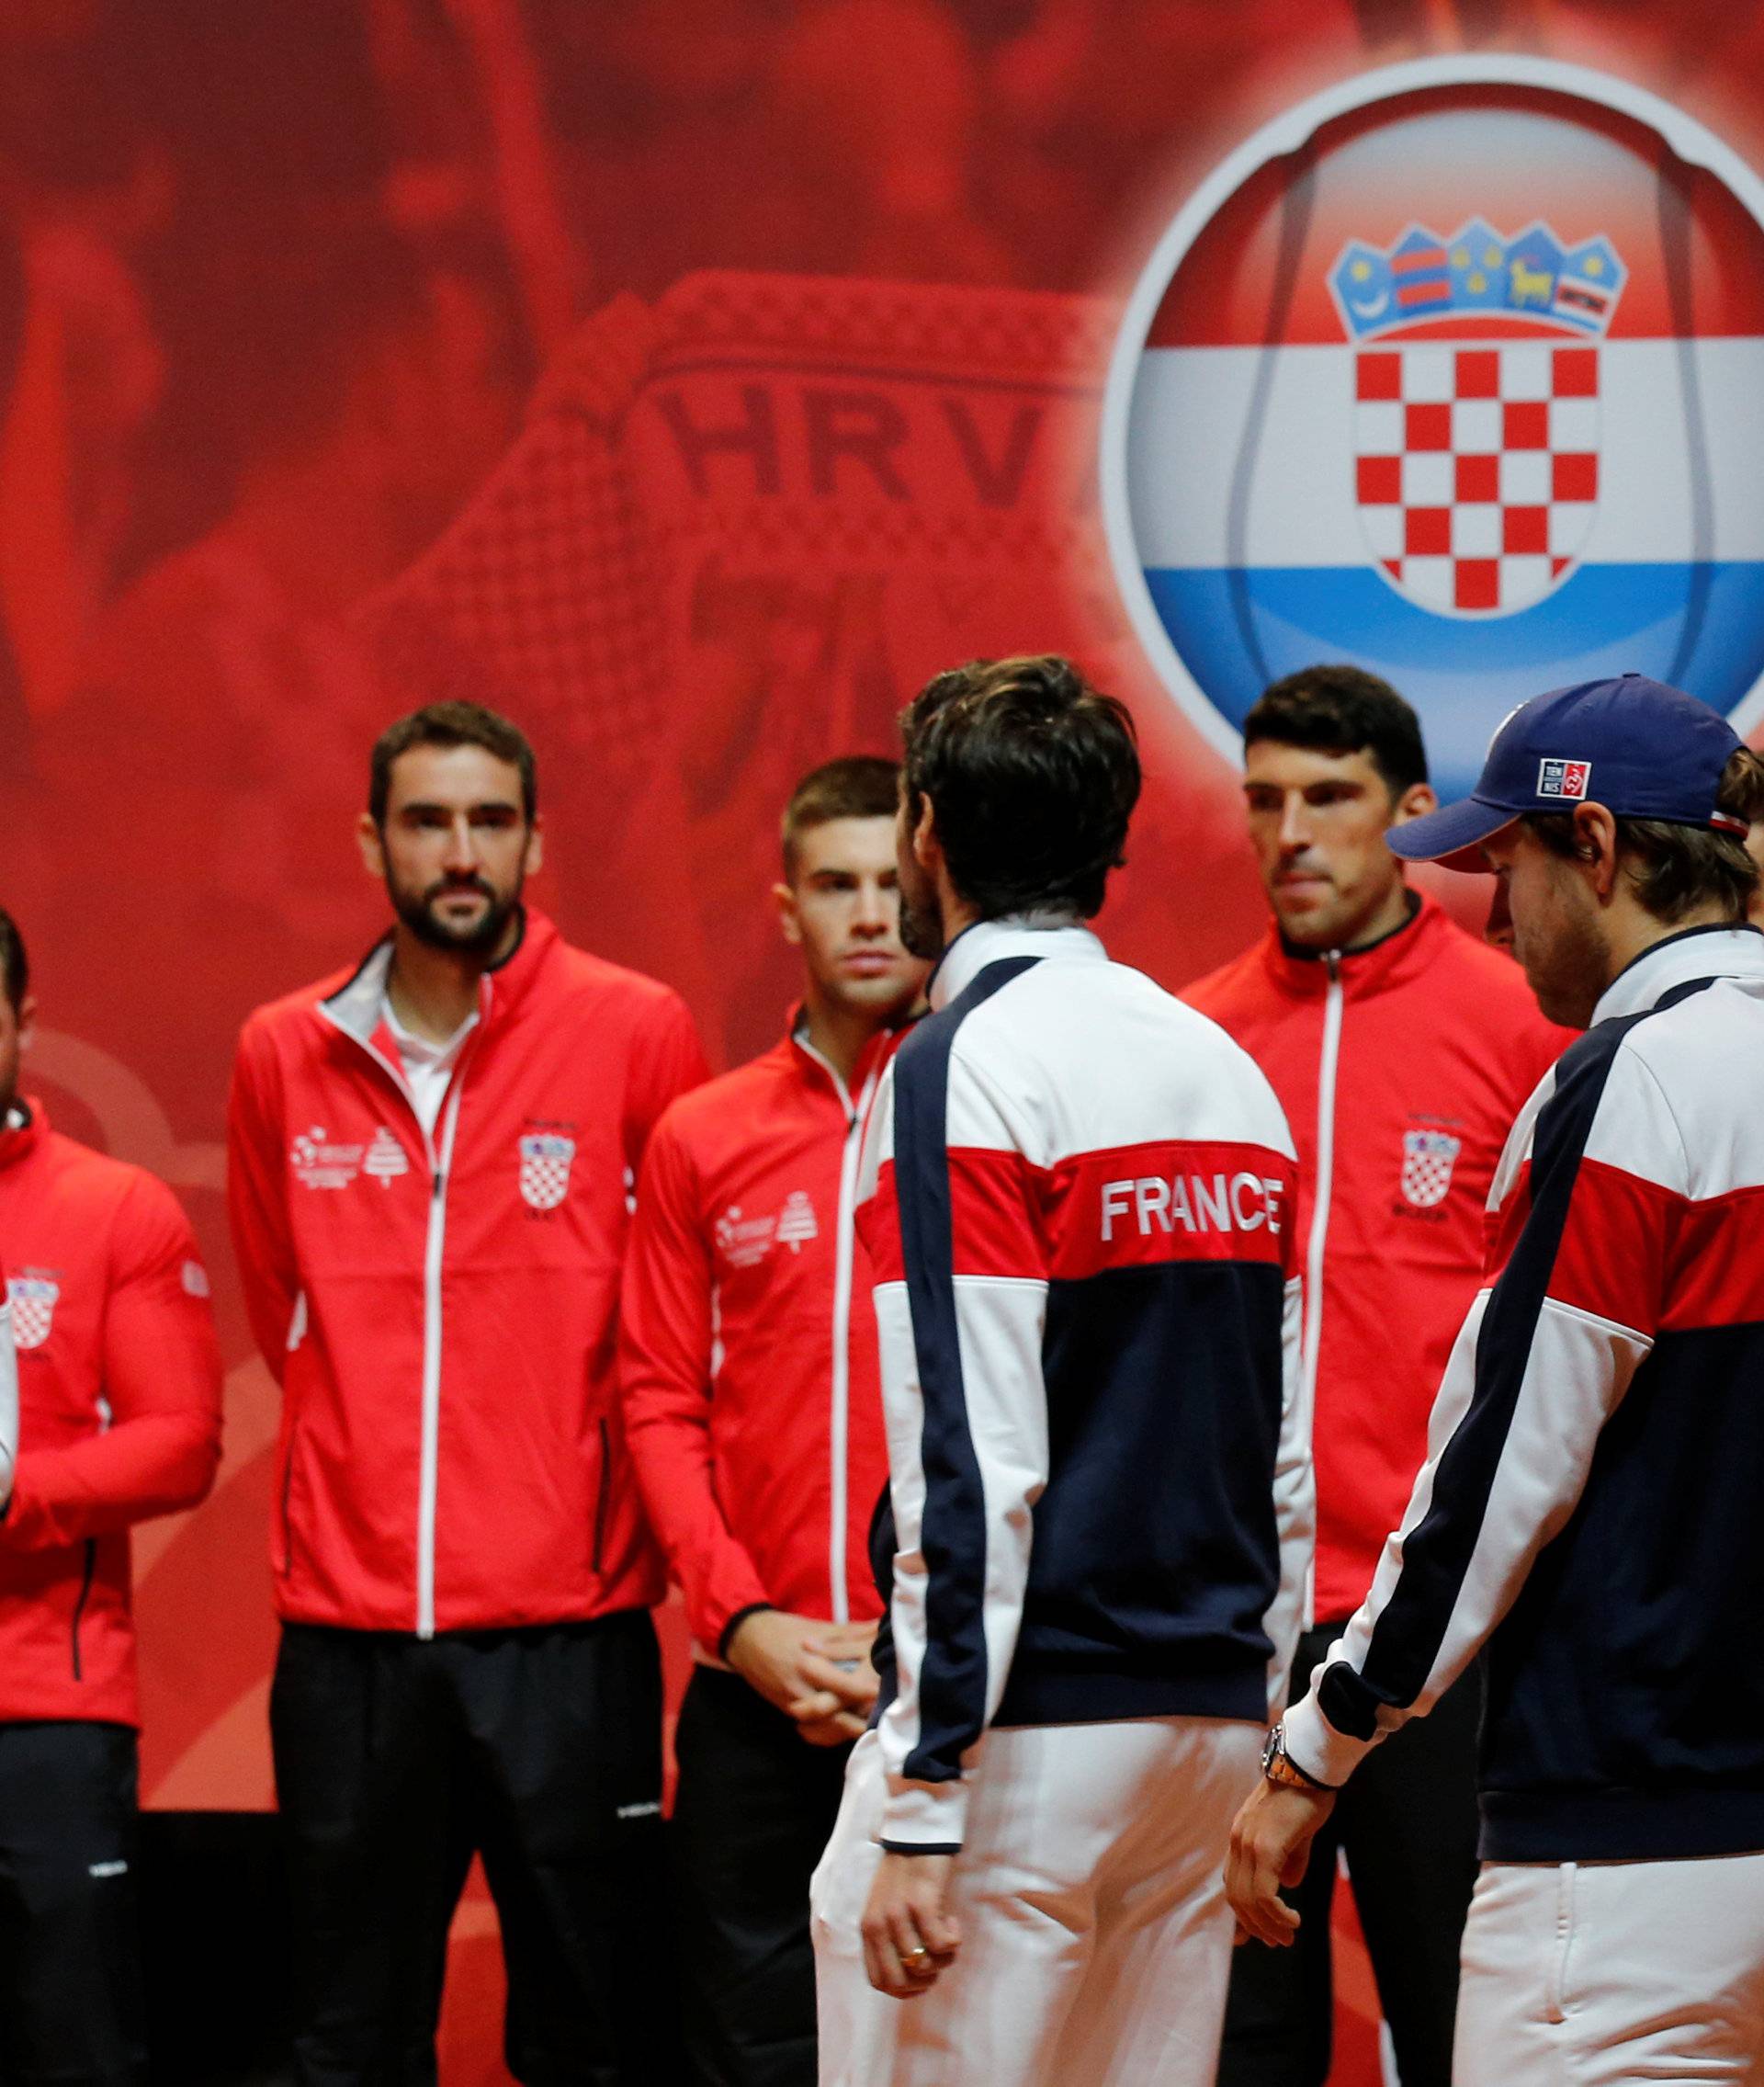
x=835, y=1719
x=814, y=1672
x=909, y=1940
x=1270, y=1843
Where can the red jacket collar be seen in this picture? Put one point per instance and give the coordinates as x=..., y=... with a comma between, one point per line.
x=355, y=1004
x=18, y=1140
x=812, y=1065
x=1390, y=962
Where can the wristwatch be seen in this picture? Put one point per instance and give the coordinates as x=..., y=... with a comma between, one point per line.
x=1279, y=1767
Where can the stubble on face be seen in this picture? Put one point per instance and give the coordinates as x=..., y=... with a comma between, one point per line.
x=1556, y=935
x=922, y=917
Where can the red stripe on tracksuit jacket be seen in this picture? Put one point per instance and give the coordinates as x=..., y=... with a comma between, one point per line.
x=441, y=1309
x=1401, y=1069
x=119, y=1387
x=749, y=1344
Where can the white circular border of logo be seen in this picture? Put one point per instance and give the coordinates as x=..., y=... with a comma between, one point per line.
x=1688, y=139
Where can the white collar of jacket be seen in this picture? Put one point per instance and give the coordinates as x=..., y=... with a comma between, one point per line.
x=1681, y=959
x=1053, y=935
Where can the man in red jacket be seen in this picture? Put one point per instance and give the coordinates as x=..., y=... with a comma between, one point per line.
x=431, y=1163
x=1402, y=1050
x=118, y=1419
x=749, y=1378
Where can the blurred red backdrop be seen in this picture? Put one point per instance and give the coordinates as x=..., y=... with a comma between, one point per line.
x=688, y=378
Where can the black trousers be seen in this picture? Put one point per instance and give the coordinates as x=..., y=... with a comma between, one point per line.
x=755, y=1809
x=70, y=1952
x=540, y=1750
x=1407, y=1823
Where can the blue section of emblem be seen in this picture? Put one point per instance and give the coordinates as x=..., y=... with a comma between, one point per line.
x=1700, y=626
x=1479, y=272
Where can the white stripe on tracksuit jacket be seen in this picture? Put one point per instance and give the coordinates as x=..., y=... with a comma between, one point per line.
x=1590, y=1509
x=1079, y=1196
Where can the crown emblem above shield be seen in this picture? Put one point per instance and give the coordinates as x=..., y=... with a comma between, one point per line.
x=1476, y=414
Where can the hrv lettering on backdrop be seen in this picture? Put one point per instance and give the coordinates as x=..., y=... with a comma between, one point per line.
x=795, y=497
x=1451, y=372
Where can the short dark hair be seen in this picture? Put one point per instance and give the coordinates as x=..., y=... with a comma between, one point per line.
x=1343, y=709
x=1673, y=869
x=856, y=786
x=451, y=724
x=15, y=965
x=1032, y=777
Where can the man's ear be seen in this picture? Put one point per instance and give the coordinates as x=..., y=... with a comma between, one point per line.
x=1415, y=800
x=1595, y=846
x=373, y=848
x=927, y=850
x=26, y=1020
x=535, y=846
x=789, y=920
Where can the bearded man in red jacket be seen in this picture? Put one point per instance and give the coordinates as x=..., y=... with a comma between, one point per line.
x=431, y=1163
x=1401, y=1048
x=751, y=1395
x=117, y=1420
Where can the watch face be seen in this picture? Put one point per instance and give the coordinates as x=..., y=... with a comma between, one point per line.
x=1270, y=1750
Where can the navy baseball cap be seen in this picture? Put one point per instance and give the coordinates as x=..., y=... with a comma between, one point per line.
x=1642, y=750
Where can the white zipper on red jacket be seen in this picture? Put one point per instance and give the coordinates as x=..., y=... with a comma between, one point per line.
x=440, y=1158
x=839, y=1402
x=1315, y=1254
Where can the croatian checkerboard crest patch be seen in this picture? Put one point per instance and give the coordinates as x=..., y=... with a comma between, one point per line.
x=546, y=1159
x=1428, y=1157
x=33, y=1299
x=1451, y=371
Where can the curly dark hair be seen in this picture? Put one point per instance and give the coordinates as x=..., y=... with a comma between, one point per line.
x=1032, y=777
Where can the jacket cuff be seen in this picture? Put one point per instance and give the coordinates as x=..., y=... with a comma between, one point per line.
x=925, y=1818
x=1313, y=1744
x=735, y=1623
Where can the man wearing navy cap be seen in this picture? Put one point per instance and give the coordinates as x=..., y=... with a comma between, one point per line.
x=1589, y=1506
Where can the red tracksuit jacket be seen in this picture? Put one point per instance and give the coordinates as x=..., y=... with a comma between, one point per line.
x=749, y=1353
x=1401, y=1069
x=120, y=1410
x=441, y=1311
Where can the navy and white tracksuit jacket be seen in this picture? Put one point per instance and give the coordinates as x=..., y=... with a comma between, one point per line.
x=1592, y=1499
x=1078, y=1205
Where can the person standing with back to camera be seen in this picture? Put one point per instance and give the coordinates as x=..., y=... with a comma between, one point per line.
x=1077, y=1197
x=431, y=1156
x=1401, y=1050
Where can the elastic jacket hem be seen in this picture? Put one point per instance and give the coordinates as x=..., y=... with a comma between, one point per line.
x=1038, y=1694
x=1618, y=1826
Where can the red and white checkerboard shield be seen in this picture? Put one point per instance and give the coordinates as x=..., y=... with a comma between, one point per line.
x=1476, y=468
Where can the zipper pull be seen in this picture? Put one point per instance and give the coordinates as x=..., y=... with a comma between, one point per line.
x=440, y=1183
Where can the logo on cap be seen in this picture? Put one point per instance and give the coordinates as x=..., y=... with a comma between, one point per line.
x=1564, y=778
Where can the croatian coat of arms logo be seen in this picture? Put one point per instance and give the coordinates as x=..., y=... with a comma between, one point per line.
x=1428, y=1157
x=33, y=1299
x=1476, y=424
x=546, y=1158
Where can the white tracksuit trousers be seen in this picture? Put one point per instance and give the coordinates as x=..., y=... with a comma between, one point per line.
x=1602, y=1974
x=1096, y=1941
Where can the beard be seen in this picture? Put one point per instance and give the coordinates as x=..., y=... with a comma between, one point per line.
x=416, y=910
x=922, y=928
x=922, y=918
